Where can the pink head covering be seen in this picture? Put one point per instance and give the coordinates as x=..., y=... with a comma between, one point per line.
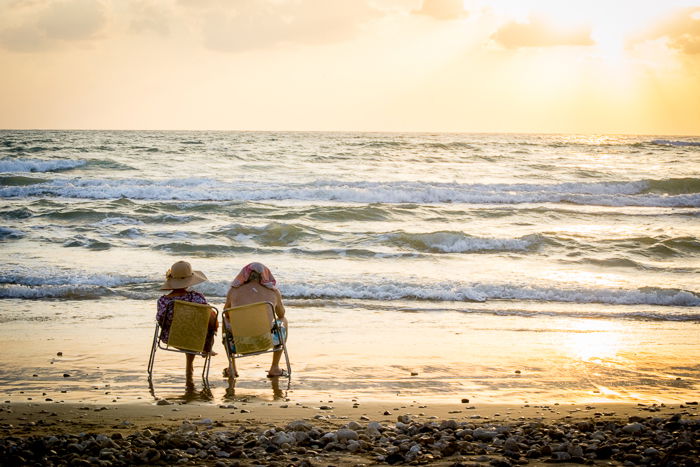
x=266, y=277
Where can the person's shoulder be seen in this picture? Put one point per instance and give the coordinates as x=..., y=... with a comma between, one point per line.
x=163, y=299
x=198, y=297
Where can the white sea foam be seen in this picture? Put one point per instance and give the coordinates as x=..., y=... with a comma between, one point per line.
x=38, y=165
x=485, y=292
x=19, y=282
x=59, y=277
x=205, y=189
x=53, y=291
x=457, y=242
x=461, y=292
x=118, y=221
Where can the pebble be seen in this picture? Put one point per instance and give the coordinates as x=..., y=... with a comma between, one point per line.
x=638, y=441
x=632, y=428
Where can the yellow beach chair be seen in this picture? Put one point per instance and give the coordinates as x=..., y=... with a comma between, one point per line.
x=253, y=330
x=188, y=334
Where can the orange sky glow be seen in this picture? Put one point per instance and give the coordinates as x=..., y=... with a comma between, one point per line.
x=544, y=66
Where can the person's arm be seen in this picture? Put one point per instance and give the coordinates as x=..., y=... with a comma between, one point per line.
x=229, y=298
x=279, y=306
x=160, y=315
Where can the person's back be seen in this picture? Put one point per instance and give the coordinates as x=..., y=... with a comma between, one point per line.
x=255, y=283
x=253, y=292
x=178, y=278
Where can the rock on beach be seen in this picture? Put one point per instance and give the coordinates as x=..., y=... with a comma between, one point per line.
x=643, y=441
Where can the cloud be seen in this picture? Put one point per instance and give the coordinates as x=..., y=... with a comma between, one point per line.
x=149, y=16
x=443, y=9
x=540, y=33
x=681, y=29
x=36, y=26
x=255, y=24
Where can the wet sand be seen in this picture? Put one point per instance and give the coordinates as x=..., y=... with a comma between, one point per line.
x=434, y=356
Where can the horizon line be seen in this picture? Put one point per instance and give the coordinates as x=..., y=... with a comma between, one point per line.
x=513, y=132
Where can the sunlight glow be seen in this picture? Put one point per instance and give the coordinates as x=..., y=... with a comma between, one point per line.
x=383, y=65
x=596, y=341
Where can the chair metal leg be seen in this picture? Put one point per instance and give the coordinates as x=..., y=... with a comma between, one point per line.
x=152, y=358
x=286, y=359
x=227, y=348
x=205, y=370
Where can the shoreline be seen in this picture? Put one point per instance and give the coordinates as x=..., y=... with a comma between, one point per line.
x=349, y=432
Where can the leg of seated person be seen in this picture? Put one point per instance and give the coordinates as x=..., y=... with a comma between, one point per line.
x=232, y=376
x=189, y=363
x=275, y=369
x=213, y=326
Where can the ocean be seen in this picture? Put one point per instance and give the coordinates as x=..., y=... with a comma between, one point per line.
x=464, y=257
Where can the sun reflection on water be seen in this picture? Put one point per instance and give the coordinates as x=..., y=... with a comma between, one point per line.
x=595, y=341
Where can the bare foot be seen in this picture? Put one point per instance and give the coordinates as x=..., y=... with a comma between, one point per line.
x=274, y=372
x=226, y=372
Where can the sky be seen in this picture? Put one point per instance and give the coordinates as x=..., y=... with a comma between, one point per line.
x=540, y=66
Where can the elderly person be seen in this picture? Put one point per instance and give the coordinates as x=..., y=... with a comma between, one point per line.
x=255, y=283
x=178, y=278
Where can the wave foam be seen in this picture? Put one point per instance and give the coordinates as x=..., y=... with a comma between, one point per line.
x=39, y=165
x=66, y=284
x=83, y=292
x=633, y=193
x=458, y=242
x=485, y=292
x=58, y=277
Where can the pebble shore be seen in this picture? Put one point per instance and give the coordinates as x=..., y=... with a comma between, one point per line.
x=637, y=440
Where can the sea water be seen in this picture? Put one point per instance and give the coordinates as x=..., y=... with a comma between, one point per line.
x=416, y=263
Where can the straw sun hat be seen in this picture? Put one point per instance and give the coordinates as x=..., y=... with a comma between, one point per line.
x=180, y=276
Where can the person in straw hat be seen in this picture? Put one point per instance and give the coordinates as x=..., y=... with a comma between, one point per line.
x=178, y=278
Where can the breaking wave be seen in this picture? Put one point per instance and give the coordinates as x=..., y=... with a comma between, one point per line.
x=659, y=193
x=39, y=165
x=458, y=242
x=485, y=292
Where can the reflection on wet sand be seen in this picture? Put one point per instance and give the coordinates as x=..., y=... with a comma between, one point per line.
x=191, y=394
x=277, y=392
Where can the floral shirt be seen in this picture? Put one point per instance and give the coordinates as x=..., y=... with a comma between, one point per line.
x=165, y=310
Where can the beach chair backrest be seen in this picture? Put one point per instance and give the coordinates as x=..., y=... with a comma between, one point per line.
x=188, y=330
x=250, y=326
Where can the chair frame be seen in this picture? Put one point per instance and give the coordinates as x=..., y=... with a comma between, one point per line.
x=275, y=348
x=157, y=344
